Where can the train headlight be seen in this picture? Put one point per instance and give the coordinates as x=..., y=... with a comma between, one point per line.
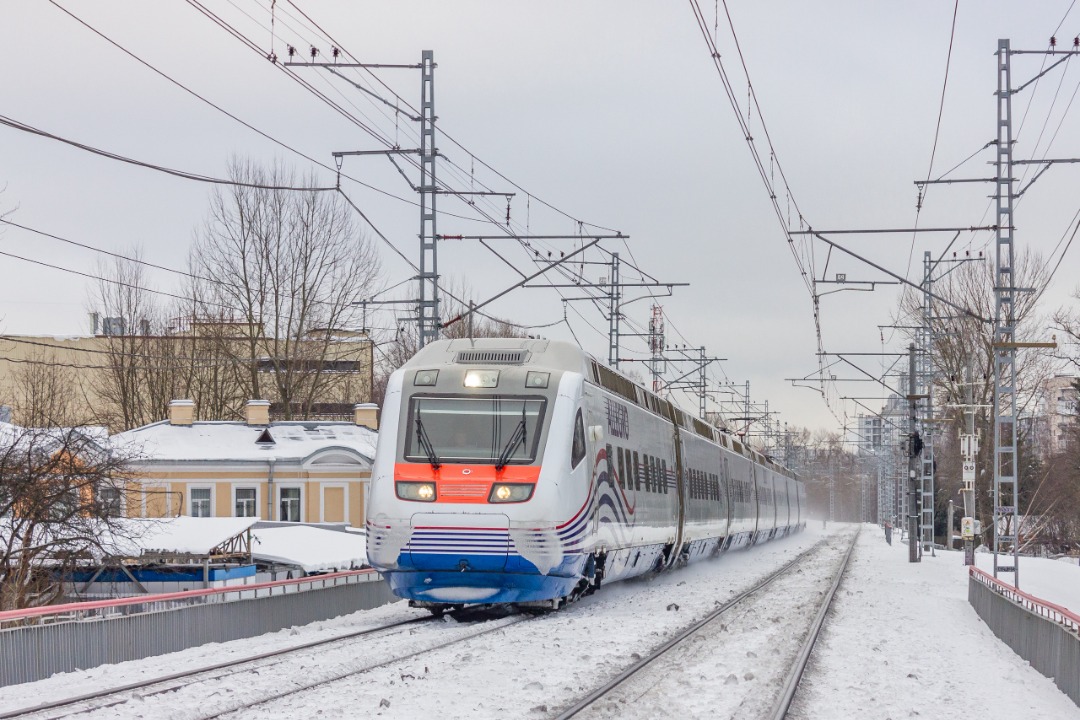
x=535, y=379
x=481, y=378
x=421, y=491
x=510, y=492
x=426, y=377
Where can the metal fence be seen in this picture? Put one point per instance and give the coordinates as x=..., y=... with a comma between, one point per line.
x=1044, y=634
x=37, y=643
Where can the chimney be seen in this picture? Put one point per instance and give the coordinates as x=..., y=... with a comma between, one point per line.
x=257, y=412
x=366, y=414
x=181, y=412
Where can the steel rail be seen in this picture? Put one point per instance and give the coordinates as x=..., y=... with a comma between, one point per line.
x=795, y=674
x=632, y=670
x=360, y=671
x=162, y=679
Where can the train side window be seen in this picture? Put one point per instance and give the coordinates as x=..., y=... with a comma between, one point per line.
x=577, y=451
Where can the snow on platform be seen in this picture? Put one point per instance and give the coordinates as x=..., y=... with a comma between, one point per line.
x=1056, y=581
x=311, y=548
x=902, y=641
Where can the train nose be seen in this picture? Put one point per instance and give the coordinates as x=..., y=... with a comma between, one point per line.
x=459, y=542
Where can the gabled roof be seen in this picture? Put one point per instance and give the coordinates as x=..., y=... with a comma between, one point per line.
x=162, y=442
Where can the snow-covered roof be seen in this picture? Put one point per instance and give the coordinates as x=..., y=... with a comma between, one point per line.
x=88, y=437
x=311, y=548
x=237, y=441
x=192, y=535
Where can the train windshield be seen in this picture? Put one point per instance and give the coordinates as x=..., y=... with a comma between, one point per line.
x=474, y=429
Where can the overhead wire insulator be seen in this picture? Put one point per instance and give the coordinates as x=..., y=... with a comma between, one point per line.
x=335, y=52
x=314, y=52
x=291, y=52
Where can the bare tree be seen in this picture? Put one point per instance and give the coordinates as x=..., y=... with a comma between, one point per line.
x=44, y=392
x=963, y=348
x=62, y=493
x=144, y=364
x=284, y=272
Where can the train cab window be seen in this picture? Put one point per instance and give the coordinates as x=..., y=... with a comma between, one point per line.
x=474, y=429
x=577, y=451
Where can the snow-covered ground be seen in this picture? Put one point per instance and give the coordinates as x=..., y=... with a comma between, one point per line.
x=1057, y=581
x=903, y=642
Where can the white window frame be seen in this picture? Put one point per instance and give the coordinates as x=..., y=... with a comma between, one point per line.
x=258, y=497
x=156, y=488
x=277, y=503
x=201, y=486
x=322, y=500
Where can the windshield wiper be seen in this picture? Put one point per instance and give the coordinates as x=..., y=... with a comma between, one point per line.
x=512, y=443
x=425, y=443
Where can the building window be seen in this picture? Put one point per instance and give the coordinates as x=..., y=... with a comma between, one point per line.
x=200, y=502
x=245, y=502
x=289, y=505
x=110, y=500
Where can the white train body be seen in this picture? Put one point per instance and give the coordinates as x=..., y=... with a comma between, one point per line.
x=523, y=471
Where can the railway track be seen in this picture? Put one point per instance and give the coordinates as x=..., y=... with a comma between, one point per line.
x=662, y=675
x=232, y=672
x=798, y=667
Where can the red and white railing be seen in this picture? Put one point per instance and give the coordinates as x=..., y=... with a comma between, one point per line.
x=98, y=609
x=1038, y=606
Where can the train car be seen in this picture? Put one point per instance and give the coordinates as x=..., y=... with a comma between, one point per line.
x=526, y=472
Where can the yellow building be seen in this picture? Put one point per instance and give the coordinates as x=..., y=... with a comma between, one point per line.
x=293, y=471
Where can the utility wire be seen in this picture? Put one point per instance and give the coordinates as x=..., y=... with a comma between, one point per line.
x=17, y=125
x=230, y=115
x=937, y=134
x=447, y=135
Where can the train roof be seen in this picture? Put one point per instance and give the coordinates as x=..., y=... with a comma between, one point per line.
x=552, y=354
x=563, y=356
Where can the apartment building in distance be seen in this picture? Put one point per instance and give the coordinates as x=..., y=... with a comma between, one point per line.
x=331, y=370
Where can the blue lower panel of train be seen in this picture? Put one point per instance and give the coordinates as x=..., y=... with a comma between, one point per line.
x=460, y=578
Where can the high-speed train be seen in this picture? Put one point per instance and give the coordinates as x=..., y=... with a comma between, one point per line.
x=524, y=471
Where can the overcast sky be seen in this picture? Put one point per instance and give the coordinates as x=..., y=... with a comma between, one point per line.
x=612, y=112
